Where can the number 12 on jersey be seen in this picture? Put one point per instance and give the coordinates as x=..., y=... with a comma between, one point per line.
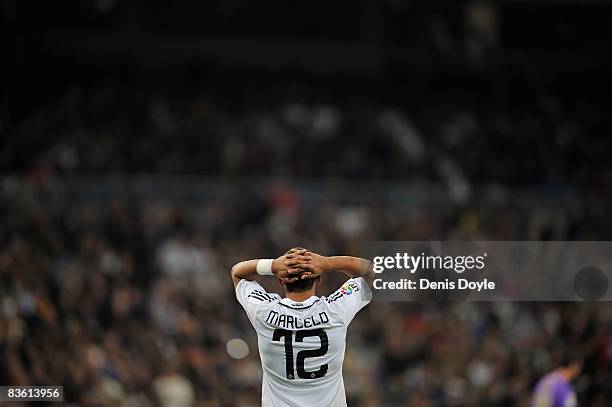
x=302, y=355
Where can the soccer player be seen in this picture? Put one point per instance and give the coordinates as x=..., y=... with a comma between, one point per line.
x=555, y=389
x=301, y=337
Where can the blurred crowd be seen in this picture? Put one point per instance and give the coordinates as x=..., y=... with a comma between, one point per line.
x=124, y=297
x=455, y=134
x=182, y=147
x=117, y=286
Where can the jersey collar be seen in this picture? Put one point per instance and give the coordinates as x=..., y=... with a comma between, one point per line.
x=299, y=305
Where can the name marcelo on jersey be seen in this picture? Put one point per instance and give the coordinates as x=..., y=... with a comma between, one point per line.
x=291, y=322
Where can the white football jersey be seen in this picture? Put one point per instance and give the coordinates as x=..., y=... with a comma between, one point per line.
x=301, y=344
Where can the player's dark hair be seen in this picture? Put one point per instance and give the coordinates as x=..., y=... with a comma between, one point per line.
x=300, y=286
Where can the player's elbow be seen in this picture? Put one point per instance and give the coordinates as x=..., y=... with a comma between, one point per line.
x=238, y=270
x=235, y=269
x=234, y=274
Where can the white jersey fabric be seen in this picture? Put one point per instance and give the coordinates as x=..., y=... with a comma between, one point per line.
x=301, y=344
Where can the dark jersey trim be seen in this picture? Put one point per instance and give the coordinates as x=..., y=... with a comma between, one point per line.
x=298, y=308
x=264, y=294
x=334, y=297
x=259, y=297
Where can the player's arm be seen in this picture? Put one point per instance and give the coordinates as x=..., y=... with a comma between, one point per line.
x=351, y=266
x=280, y=267
x=247, y=270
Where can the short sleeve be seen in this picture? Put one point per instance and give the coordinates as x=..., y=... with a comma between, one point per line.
x=251, y=296
x=351, y=297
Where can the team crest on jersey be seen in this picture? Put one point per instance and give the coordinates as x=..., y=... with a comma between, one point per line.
x=349, y=288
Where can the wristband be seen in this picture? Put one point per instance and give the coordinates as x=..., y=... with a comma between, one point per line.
x=264, y=267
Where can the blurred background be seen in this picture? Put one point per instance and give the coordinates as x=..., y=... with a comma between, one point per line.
x=146, y=146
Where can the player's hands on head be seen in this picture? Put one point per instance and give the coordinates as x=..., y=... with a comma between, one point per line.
x=296, y=260
x=290, y=265
x=305, y=263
